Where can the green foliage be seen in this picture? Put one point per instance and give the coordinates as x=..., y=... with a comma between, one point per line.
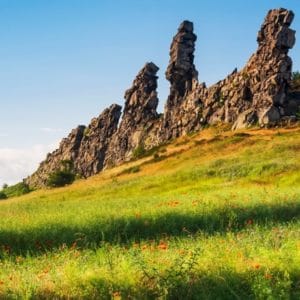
x=86, y=132
x=67, y=165
x=296, y=76
x=62, y=177
x=16, y=190
x=131, y=170
x=139, y=152
x=2, y=195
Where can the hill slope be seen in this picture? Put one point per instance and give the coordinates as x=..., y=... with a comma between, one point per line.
x=214, y=214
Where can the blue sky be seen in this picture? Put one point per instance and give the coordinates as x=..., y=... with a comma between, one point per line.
x=63, y=61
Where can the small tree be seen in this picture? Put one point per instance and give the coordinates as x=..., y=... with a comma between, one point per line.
x=2, y=195
x=4, y=186
x=296, y=76
x=64, y=176
x=60, y=178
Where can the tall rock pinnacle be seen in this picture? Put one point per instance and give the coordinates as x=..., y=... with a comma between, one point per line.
x=181, y=69
x=182, y=74
x=139, y=114
x=258, y=92
x=270, y=68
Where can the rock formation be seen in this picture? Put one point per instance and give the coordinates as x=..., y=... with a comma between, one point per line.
x=258, y=94
x=138, y=117
x=85, y=147
x=95, y=141
x=182, y=74
x=68, y=150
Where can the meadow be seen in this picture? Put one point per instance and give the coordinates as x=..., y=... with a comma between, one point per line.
x=212, y=215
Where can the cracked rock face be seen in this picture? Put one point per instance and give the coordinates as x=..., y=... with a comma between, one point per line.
x=260, y=93
x=85, y=147
x=138, y=117
x=182, y=74
x=261, y=86
x=68, y=150
x=95, y=141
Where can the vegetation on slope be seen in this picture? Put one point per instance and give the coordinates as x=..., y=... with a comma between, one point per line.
x=217, y=216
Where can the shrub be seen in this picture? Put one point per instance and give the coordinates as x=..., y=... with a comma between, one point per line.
x=296, y=76
x=2, y=195
x=64, y=176
x=134, y=169
x=139, y=152
x=60, y=178
x=16, y=190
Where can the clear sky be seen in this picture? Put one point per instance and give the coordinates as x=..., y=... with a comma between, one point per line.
x=63, y=61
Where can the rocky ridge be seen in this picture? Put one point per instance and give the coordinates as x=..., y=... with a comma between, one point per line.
x=257, y=94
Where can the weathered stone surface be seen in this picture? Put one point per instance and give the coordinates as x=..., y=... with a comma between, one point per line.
x=68, y=150
x=138, y=117
x=263, y=83
x=181, y=108
x=85, y=147
x=95, y=141
x=260, y=93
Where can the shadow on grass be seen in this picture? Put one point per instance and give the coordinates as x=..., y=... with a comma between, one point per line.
x=221, y=284
x=130, y=229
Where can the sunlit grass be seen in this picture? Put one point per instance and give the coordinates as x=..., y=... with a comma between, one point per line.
x=216, y=217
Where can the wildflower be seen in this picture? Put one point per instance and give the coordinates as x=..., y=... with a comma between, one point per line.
x=249, y=222
x=256, y=266
x=116, y=295
x=162, y=246
x=74, y=245
x=268, y=276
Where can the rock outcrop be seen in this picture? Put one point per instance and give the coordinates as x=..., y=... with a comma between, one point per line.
x=138, y=117
x=180, y=109
x=95, y=141
x=85, y=147
x=68, y=150
x=259, y=93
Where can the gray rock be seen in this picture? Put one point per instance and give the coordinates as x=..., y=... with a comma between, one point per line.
x=260, y=92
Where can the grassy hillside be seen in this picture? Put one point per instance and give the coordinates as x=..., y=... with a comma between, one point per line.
x=210, y=216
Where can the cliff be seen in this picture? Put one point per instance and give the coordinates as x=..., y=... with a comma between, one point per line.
x=260, y=93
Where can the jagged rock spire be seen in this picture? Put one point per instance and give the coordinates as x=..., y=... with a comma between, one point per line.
x=141, y=99
x=139, y=114
x=181, y=69
x=258, y=92
x=181, y=113
x=95, y=141
x=270, y=68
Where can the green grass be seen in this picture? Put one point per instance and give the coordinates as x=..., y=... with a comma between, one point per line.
x=217, y=218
